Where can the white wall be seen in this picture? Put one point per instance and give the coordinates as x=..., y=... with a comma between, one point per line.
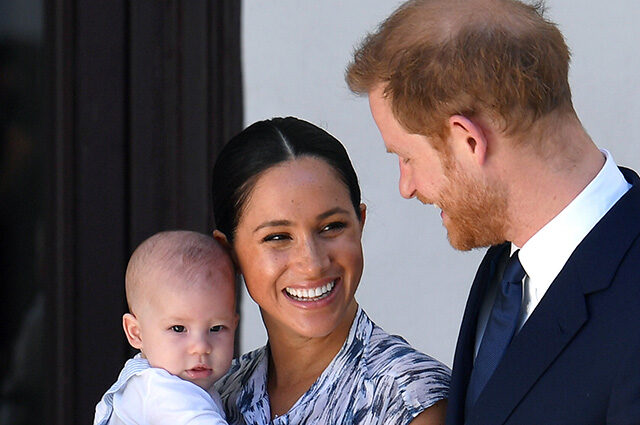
x=414, y=283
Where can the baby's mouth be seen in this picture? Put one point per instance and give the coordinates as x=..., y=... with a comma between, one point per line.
x=200, y=371
x=311, y=294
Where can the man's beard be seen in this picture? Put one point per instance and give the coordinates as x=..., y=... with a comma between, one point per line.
x=476, y=211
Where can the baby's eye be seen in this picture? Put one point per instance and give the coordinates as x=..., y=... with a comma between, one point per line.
x=178, y=328
x=216, y=328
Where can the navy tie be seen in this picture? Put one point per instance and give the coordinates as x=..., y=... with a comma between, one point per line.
x=500, y=329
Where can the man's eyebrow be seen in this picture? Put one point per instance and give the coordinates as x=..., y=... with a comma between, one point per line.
x=272, y=223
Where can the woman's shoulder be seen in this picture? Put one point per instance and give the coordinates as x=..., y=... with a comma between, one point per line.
x=391, y=357
x=400, y=377
x=244, y=387
x=242, y=370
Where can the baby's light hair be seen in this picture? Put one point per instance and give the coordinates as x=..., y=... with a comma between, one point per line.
x=182, y=252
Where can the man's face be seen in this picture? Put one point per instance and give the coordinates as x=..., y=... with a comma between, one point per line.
x=422, y=173
x=472, y=211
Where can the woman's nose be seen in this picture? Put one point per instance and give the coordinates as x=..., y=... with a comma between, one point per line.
x=311, y=257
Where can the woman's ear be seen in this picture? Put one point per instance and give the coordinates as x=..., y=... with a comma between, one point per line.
x=363, y=215
x=222, y=240
x=132, y=330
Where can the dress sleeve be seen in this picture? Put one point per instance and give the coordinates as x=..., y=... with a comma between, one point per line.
x=163, y=399
x=411, y=390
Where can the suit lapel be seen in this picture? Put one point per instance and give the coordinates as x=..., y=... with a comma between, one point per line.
x=555, y=321
x=562, y=311
x=463, y=359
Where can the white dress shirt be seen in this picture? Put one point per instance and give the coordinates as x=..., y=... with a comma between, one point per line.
x=545, y=254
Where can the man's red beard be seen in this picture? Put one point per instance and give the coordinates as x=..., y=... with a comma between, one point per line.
x=475, y=211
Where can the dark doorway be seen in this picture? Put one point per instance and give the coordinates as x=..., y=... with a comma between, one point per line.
x=111, y=116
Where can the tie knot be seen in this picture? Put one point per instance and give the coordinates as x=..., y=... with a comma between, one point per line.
x=513, y=272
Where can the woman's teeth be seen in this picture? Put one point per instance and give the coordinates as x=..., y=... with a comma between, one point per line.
x=312, y=294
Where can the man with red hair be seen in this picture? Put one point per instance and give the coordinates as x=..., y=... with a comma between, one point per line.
x=473, y=97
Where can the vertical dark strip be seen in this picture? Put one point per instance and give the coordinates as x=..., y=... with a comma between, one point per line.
x=99, y=156
x=194, y=116
x=61, y=195
x=225, y=92
x=126, y=109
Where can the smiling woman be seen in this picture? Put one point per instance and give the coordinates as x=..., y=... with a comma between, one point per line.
x=287, y=202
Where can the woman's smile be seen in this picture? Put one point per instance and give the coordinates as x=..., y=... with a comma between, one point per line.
x=298, y=246
x=311, y=294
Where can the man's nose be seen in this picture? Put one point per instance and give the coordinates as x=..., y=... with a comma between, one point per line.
x=405, y=185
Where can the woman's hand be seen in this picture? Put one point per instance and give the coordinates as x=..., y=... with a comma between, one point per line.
x=433, y=415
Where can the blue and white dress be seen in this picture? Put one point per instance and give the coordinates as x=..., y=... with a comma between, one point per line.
x=375, y=378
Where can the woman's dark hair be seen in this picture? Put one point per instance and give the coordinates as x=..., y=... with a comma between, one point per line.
x=263, y=145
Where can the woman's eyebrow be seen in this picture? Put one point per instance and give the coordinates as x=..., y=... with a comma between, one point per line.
x=275, y=223
x=272, y=223
x=332, y=211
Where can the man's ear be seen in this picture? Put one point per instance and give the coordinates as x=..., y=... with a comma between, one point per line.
x=132, y=330
x=471, y=137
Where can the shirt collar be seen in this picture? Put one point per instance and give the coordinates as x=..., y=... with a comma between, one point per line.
x=545, y=254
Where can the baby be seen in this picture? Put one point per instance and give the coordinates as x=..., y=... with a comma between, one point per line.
x=182, y=318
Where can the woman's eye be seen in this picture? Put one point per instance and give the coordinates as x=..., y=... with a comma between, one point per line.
x=216, y=328
x=276, y=237
x=337, y=225
x=178, y=328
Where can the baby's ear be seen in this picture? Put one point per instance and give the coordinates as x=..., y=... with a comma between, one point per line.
x=132, y=330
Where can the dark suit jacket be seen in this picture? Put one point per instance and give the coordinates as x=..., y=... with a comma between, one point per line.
x=577, y=358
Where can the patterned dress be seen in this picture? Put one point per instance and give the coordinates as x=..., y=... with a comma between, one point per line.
x=375, y=378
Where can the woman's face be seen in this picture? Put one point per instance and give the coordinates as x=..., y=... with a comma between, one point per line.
x=298, y=246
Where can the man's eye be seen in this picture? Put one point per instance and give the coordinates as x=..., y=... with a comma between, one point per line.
x=178, y=328
x=216, y=328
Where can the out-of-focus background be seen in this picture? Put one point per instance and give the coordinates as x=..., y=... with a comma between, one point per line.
x=112, y=113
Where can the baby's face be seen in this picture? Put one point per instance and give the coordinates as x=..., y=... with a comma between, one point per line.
x=188, y=329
